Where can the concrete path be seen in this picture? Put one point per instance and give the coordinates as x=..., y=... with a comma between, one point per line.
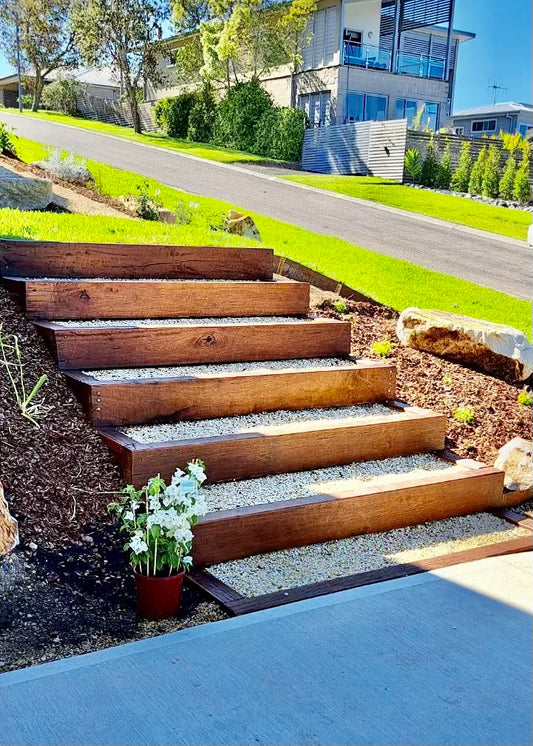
x=441, y=658
x=496, y=262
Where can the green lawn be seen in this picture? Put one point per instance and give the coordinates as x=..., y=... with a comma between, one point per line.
x=513, y=223
x=391, y=281
x=201, y=150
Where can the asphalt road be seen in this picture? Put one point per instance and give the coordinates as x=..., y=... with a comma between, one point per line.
x=496, y=262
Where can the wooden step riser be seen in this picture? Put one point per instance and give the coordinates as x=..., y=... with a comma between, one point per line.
x=60, y=259
x=146, y=401
x=137, y=300
x=290, y=449
x=113, y=347
x=233, y=534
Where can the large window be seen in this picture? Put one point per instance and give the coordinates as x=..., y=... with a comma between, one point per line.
x=317, y=106
x=409, y=109
x=485, y=125
x=364, y=107
x=523, y=128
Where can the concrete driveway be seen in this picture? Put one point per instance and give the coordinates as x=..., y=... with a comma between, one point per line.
x=497, y=262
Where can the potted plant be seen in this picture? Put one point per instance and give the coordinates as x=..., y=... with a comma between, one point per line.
x=158, y=521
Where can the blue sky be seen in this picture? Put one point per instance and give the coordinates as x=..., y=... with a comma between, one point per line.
x=501, y=51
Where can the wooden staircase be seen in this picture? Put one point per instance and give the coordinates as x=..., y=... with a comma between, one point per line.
x=102, y=306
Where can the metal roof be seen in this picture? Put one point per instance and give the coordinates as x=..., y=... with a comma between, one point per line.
x=510, y=107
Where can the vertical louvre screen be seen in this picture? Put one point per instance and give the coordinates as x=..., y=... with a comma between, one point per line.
x=322, y=48
x=421, y=13
x=319, y=38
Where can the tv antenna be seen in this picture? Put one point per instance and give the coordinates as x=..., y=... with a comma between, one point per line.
x=495, y=88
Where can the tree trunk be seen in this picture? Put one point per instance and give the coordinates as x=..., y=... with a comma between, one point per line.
x=134, y=106
x=37, y=91
x=293, y=89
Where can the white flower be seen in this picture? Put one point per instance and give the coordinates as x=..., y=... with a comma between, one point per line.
x=154, y=502
x=197, y=472
x=129, y=516
x=186, y=561
x=137, y=544
x=171, y=496
x=134, y=504
x=183, y=535
x=177, y=476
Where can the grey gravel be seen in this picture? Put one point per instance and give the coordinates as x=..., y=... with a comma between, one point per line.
x=120, y=374
x=304, y=483
x=189, y=322
x=245, y=423
x=266, y=573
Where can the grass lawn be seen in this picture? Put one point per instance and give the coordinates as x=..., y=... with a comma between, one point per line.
x=201, y=150
x=391, y=281
x=513, y=223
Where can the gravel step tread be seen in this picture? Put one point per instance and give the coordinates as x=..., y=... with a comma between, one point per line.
x=290, y=568
x=208, y=321
x=212, y=369
x=279, y=487
x=221, y=426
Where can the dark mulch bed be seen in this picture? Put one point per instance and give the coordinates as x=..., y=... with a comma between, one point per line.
x=430, y=382
x=67, y=589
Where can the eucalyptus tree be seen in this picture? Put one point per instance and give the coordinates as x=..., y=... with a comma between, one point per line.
x=41, y=30
x=125, y=35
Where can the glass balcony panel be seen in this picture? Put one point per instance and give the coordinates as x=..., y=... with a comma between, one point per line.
x=420, y=65
x=366, y=55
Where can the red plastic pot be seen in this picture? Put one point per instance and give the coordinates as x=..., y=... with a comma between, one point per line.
x=158, y=598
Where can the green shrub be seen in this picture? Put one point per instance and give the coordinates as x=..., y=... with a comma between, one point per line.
x=340, y=306
x=412, y=164
x=6, y=143
x=202, y=115
x=172, y=114
x=238, y=116
x=475, y=185
x=280, y=133
x=430, y=166
x=461, y=177
x=508, y=177
x=444, y=171
x=525, y=398
x=62, y=96
x=522, y=187
x=464, y=415
x=383, y=347
x=491, y=175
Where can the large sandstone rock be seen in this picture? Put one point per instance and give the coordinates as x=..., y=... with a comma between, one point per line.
x=515, y=459
x=494, y=348
x=9, y=535
x=23, y=193
x=241, y=225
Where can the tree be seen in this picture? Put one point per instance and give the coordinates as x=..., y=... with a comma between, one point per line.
x=522, y=187
x=461, y=177
x=45, y=37
x=124, y=35
x=187, y=15
x=475, y=185
x=491, y=175
x=295, y=35
x=508, y=177
x=444, y=170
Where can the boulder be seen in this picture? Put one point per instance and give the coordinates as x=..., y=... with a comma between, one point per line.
x=9, y=535
x=24, y=193
x=497, y=349
x=515, y=459
x=166, y=216
x=241, y=225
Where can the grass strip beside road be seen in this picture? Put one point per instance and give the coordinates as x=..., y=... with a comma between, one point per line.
x=158, y=139
x=502, y=220
x=394, y=282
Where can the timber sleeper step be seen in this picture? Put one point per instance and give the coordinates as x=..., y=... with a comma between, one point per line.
x=145, y=342
x=201, y=393
x=305, y=440
x=62, y=259
x=340, y=508
x=133, y=299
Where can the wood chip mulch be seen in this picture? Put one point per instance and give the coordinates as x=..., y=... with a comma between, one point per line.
x=67, y=588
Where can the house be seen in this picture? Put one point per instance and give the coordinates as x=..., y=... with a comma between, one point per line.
x=491, y=120
x=367, y=60
x=98, y=82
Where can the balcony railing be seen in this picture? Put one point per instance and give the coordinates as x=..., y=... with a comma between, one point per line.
x=366, y=55
x=377, y=58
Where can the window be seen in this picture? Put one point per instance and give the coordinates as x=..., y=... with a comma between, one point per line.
x=459, y=130
x=523, y=128
x=364, y=107
x=486, y=125
x=171, y=59
x=408, y=109
x=317, y=106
